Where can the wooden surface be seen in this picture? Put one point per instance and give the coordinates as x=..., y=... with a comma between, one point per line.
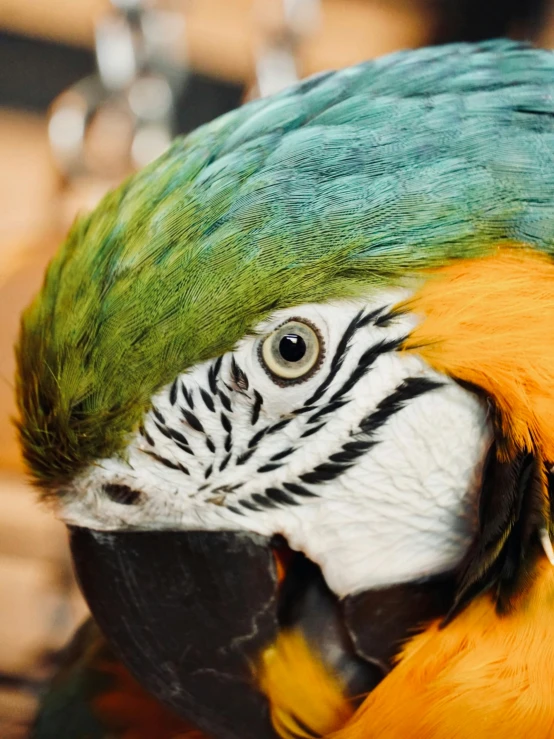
x=39, y=603
x=27, y=239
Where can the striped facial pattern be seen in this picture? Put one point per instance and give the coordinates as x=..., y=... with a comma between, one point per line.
x=369, y=461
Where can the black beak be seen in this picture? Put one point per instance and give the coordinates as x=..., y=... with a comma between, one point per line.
x=191, y=627
x=190, y=612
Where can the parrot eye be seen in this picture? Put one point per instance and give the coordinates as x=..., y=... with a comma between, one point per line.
x=292, y=352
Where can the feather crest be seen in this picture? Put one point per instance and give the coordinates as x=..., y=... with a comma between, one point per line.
x=349, y=181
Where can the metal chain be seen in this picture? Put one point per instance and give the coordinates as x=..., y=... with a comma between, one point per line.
x=123, y=117
x=284, y=26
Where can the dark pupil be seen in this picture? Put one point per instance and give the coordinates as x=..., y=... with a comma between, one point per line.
x=292, y=348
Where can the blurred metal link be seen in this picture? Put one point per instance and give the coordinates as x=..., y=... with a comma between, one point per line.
x=101, y=129
x=284, y=25
x=123, y=117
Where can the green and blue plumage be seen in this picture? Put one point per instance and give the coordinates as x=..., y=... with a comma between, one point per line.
x=348, y=181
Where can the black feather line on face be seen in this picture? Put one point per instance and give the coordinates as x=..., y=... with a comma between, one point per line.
x=257, y=437
x=347, y=455
x=173, y=393
x=263, y=501
x=225, y=462
x=147, y=436
x=225, y=401
x=184, y=447
x=365, y=363
x=385, y=319
x=359, y=321
x=279, y=496
x=323, y=473
x=238, y=377
x=373, y=316
x=208, y=401
x=338, y=359
x=187, y=395
x=245, y=456
x=269, y=467
x=305, y=409
x=329, y=408
x=158, y=415
x=177, y=436
x=279, y=425
x=310, y=432
x=409, y=389
x=192, y=420
x=162, y=430
x=511, y=513
x=282, y=455
x=249, y=505
x=166, y=462
x=226, y=423
x=258, y=402
x=299, y=490
x=213, y=374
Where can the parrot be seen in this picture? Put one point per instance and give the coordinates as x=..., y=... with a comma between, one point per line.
x=291, y=389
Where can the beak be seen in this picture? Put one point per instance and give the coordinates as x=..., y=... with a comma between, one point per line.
x=191, y=627
x=380, y=621
x=190, y=612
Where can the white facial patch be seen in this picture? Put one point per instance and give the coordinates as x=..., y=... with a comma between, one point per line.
x=371, y=466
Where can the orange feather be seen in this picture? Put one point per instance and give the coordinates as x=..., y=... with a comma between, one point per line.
x=484, y=676
x=489, y=322
x=131, y=713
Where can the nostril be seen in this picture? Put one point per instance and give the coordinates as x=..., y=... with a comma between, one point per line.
x=122, y=494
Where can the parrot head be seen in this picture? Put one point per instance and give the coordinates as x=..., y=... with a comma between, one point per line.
x=291, y=382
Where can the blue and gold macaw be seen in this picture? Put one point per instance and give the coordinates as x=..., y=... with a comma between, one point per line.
x=291, y=387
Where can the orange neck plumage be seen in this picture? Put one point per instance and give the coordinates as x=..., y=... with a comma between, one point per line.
x=486, y=322
x=489, y=322
x=482, y=676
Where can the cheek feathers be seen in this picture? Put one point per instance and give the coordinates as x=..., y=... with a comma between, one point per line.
x=488, y=322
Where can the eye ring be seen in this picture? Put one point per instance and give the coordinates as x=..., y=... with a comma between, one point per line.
x=293, y=352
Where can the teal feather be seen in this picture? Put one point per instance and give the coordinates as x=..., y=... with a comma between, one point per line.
x=349, y=181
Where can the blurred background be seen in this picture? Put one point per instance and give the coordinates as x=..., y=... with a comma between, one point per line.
x=91, y=90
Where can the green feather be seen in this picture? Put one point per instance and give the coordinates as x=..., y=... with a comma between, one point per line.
x=349, y=181
x=66, y=709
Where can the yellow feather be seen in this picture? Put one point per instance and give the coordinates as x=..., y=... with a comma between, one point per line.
x=305, y=698
x=484, y=676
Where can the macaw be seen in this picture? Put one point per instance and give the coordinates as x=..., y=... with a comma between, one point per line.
x=291, y=388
